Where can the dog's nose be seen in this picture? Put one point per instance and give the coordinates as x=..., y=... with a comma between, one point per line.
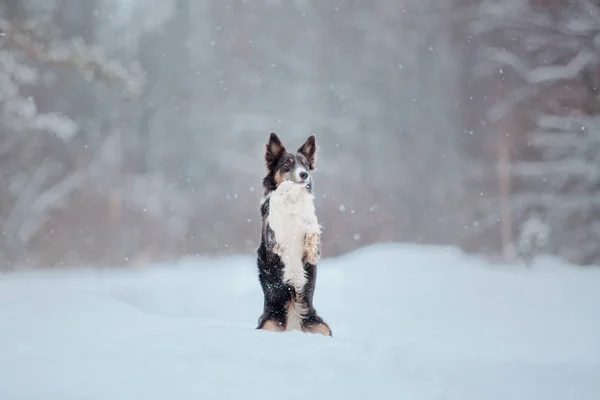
x=303, y=175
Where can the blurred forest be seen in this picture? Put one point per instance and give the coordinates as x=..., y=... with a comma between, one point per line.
x=133, y=131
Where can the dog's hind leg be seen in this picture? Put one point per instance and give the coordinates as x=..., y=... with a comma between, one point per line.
x=276, y=293
x=277, y=297
x=274, y=313
x=312, y=322
x=269, y=324
x=316, y=325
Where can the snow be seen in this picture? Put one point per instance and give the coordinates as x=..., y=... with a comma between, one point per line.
x=411, y=322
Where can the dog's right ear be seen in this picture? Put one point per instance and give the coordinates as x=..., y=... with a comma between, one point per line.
x=275, y=150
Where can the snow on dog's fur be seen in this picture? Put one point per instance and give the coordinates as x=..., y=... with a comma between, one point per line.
x=290, y=240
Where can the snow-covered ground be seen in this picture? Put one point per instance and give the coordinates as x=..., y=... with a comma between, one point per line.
x=409, y=322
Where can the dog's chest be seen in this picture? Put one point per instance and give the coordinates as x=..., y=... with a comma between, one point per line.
x=291, y=218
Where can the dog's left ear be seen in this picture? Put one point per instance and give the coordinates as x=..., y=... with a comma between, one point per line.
x=309, y=150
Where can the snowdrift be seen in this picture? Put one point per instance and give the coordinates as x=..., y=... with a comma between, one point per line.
x=409, y=322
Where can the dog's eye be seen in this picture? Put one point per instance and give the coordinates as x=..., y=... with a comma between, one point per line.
x=287, y=164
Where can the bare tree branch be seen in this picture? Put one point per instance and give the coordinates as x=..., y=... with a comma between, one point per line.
x=89, y=60
x=546, y=73
x=514, y=98
x=44, y=202
x=25, y=199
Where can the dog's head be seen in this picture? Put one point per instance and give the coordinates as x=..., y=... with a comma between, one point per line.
x=282, y=165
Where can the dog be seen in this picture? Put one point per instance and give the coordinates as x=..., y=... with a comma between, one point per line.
x=290, y=240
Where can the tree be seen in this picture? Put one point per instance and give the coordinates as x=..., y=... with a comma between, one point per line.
x=544, y=55
x=34, y=164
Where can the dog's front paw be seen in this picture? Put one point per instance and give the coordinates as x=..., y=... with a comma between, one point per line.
x=278, y=249
x=285, y=188
x=288, y=191
x=312, y=248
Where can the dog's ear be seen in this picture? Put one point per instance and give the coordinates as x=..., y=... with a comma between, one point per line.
x=275, y=150
x=309, y=150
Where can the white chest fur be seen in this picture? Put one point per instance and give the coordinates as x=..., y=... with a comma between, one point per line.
x=291, y=217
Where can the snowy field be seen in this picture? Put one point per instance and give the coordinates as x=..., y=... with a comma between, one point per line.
x=409, y=322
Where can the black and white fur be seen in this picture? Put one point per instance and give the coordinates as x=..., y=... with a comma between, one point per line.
x=290, y=240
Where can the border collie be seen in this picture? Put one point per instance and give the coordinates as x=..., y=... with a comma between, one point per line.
x=290, y=240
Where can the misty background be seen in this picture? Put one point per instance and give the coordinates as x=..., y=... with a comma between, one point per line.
x=133, y=131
